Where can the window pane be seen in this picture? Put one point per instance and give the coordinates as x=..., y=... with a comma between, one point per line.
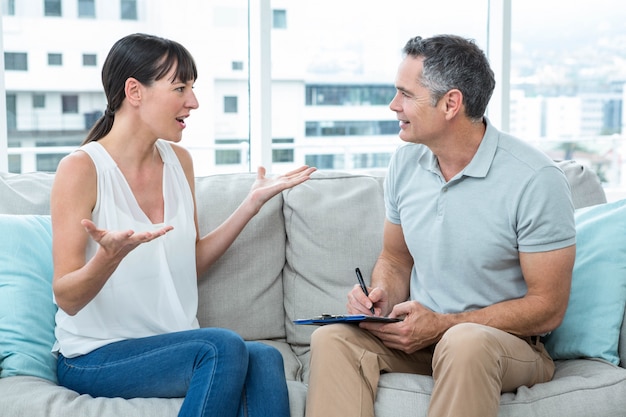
x=340, y=58
x=70, y=104
x=279, y=19
x=74, y=97
x=129, y=9
x=52, y=7
x=39, y=101
x=89, y=60
x=16, y=61
x=567, y=83
x=86, y=8
x=55, y=59
x=230, y=104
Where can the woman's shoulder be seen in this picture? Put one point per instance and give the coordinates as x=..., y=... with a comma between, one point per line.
x=78, y=164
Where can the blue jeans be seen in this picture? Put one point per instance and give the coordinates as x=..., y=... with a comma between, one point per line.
x=217, y=372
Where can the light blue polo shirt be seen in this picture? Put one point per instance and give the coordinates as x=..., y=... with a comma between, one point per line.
x=465, y=235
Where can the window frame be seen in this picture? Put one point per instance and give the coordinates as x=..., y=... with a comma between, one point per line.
x=259, y=75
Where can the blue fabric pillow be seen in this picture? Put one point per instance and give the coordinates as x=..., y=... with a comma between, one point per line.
x=594, y=315
x=26, y=306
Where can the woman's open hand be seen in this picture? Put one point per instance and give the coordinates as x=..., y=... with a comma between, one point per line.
x=265, y=188
x=118, y=244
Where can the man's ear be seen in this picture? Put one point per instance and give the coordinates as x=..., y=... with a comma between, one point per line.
x=132, y=89
x=453, y=102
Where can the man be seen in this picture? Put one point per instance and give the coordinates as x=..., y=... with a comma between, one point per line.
x=479, y=237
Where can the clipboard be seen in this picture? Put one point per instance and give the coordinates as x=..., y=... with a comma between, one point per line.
x=346, y=318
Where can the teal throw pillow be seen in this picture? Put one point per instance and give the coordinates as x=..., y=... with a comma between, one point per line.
x=592, y=323
x=26, y=306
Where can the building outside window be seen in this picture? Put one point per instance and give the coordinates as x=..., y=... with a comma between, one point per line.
x=89, y=60
x=52, y=8
x=39, y=101
x=86, y=8
x=128, y=9
x=230, y=104
x=55, y=59
x=69, y=104
x=16, y=61
x=279, y=19
x=8, y=8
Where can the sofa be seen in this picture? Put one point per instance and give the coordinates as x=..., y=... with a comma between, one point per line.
x=296, y=259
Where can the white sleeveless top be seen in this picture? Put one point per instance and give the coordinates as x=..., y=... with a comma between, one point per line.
x=154, y=289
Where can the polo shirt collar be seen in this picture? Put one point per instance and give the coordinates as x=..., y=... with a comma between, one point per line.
x=482, y=160
x=480, y=163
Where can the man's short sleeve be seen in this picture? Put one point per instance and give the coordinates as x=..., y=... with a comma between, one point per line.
x=546, y=213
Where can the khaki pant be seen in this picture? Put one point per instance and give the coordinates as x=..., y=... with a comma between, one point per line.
x=471, y=366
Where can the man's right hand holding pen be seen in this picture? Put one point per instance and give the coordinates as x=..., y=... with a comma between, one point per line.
x=364, y=300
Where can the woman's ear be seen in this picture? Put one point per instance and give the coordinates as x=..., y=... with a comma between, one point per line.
x=132, y=89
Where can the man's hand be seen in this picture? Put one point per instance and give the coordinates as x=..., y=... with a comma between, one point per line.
x=420, y=328
x=359, y=303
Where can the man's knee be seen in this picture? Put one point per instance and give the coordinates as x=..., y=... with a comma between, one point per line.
x=325, y=336
x=467, y=342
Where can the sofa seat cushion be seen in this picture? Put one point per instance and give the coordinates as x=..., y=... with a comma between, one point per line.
x=35, y=397
x=580, y=388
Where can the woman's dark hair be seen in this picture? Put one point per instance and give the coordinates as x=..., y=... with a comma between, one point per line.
x=147, y=59
x=454, y=62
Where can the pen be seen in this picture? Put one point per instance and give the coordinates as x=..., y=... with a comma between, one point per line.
x=362, y=284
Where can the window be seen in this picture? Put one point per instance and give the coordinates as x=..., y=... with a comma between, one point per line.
x=129, y=9
x=282, y=152
x=55, y=59
x=352, y=128
x=279, y=19
x=230, y=104
x=86, y=8
x=69, y=104
x=567, y=87
x=334, y=76
x=52, y=8
x=39, y=101
x=11, y=112
x=15, y=61
x=89, y=60
x=349, y=95
x=8, y=8
x=229, y=155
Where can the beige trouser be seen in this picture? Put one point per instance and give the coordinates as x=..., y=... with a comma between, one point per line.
x=471, y=366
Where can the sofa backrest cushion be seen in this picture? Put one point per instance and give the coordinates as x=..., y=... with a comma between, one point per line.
x=595, y=314
x=585, y=184
x=25, y=193
x=243, y=290
x=26, y=307
x=334, y=224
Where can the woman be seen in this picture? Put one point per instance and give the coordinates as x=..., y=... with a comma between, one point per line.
x=127, y=251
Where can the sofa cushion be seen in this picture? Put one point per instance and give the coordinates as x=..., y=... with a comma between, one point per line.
x=585, y=184
x=243, y=290
x=34, y=397
x=334, y=224
x=25, y=193
x=580, y=388
x=592, y=323
x=26, y=307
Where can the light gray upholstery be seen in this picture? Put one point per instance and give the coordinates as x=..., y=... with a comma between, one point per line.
x=296, y=259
